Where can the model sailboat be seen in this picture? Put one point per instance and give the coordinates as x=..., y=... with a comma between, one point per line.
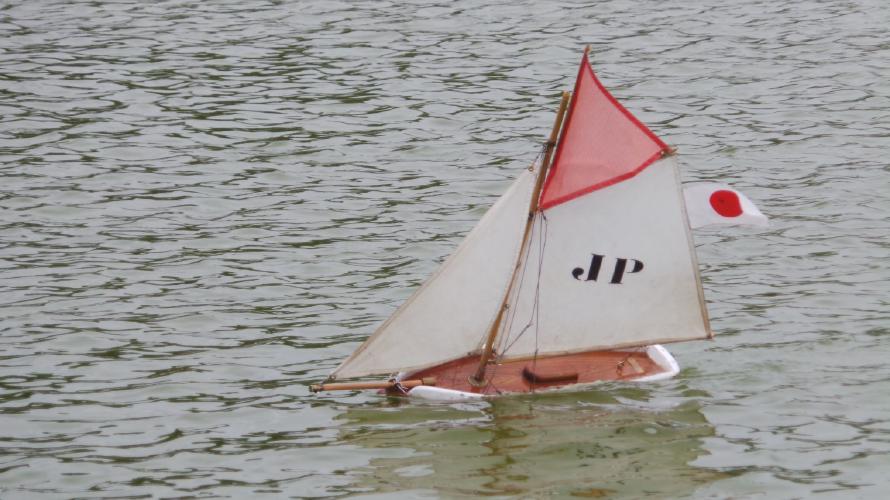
x=577, y=274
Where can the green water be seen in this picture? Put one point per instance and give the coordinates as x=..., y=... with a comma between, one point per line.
x=205, y=206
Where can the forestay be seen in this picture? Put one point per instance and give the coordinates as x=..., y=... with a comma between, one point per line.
x=446, y=318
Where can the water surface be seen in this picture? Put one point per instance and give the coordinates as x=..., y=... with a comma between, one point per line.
x=207, y=205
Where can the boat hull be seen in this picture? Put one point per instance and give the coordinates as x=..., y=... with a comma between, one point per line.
x=564, y=372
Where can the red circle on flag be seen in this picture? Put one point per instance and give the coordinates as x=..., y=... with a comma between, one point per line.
x=726, y=203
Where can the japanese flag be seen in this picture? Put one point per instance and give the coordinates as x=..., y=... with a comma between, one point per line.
x=711, y=203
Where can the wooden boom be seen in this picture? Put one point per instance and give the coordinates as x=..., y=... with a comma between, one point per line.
x=383, y=384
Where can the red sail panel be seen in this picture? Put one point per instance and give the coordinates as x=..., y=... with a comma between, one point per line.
x=601, y=144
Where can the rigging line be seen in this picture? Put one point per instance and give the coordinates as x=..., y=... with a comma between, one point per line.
x=501, y=340
x=536, y=161
x=542, y=246
x=535, y=314
x=541, y=250
x=518, y=291
x=508, y=324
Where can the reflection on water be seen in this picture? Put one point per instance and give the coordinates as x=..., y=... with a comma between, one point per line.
x=589, y=444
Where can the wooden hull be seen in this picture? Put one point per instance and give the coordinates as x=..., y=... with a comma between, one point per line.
x=545, y=373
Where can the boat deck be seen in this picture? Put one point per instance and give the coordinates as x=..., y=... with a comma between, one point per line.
x=529, y=375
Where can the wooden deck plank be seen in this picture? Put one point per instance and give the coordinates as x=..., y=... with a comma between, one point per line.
x=551, y=372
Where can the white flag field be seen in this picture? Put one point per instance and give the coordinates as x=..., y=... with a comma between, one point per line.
x=710, y=203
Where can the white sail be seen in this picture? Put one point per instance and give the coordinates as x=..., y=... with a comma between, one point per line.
x=449, y=315
x=618, y=269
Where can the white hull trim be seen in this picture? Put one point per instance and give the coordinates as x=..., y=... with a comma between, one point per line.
x=656, y=352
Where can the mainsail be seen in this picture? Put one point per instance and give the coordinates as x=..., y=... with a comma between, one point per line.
x=609, y=260
x=612, y=268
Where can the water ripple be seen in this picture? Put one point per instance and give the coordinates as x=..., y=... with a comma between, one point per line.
x=206, y=206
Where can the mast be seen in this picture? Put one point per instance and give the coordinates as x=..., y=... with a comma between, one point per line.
x=488, y=349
